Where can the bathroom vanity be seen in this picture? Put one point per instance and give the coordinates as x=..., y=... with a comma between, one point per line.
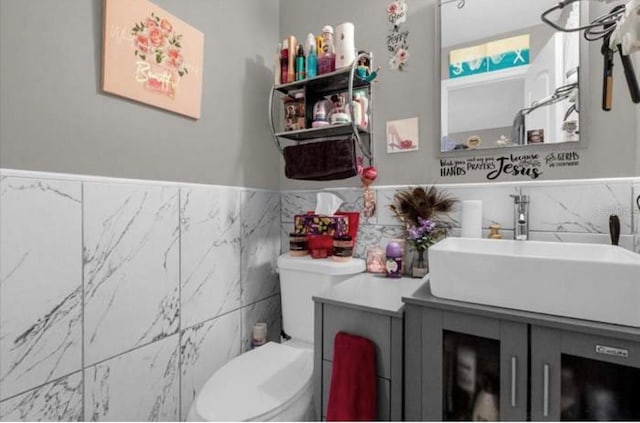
x=465, y=360
x=370, y=306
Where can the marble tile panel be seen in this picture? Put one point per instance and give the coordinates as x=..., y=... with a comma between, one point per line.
x=205, y=348
x=297, y=202
x=268, y=311
x=583, y=207
x=372, y=235
x=260, y=244
x=60, y=400
x=210, y=253
x=40, y=282
x=497, y=205
x=285, y=229
x=140, y=385
x=131, y=266
x=384, y=198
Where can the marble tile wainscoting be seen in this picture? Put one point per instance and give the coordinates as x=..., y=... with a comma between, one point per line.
x=118, y=298
x=563, y=211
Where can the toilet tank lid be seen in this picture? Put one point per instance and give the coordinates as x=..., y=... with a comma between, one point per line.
x=325, y=266
x=255, y=383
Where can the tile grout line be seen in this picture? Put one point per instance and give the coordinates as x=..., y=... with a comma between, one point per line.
x=180, y=305
x=82, y=305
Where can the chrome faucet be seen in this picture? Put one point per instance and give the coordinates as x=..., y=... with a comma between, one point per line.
x=520, y=216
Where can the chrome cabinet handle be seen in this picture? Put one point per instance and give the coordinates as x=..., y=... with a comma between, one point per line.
x=514, y=377
x=545, y=393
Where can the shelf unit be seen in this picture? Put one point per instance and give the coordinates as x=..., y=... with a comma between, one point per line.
x=316, y=89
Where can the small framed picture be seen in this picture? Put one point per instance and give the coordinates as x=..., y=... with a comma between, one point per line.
x=535, y=136
x=402, y=135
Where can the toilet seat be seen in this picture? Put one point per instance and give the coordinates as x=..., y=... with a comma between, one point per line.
x=257, y=385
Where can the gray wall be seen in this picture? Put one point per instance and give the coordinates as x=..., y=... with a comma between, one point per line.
x=611, y=148
x=54, y=116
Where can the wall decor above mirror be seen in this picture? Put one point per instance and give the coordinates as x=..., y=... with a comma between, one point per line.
x=508, y=79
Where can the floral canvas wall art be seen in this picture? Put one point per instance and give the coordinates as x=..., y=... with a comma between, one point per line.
x=152, y=56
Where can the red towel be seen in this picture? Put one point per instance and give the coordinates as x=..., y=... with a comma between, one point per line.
x=352, y=396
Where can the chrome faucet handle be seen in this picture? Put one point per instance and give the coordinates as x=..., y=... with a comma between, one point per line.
x=521, y=219
x=520, y=198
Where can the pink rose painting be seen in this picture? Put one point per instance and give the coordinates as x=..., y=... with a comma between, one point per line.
x=151, y=56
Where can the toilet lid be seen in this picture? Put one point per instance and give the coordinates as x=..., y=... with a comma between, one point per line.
x=255, y=383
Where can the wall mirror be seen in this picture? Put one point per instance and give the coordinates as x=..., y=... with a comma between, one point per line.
x=507, y=79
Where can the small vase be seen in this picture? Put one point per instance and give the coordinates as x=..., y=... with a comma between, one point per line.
x=420, y=264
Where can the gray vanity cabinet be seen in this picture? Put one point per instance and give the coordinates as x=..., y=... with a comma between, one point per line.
x=383, y=330
x=462, y=358
x=457, y=361
x=590, y=375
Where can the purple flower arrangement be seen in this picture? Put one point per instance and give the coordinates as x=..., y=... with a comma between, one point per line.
x=424, y=235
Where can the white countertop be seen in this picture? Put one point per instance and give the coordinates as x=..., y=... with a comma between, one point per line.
x=372, y=292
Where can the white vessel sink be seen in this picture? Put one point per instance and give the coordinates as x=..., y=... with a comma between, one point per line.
x=585, y=281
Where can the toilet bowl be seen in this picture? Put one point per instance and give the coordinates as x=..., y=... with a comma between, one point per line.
x=274, y=382
x=269, y=383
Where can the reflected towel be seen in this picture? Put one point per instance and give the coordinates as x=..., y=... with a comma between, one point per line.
x=352, y=396
x=321, y=161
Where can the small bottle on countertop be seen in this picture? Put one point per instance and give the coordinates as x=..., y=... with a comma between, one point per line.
x=375, y=260
x=495, y=232
x=259, y=335
x=298, y=246
x=342, y=248
x=393, y=262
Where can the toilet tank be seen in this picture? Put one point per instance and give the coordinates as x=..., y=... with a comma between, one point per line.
x=301, y=278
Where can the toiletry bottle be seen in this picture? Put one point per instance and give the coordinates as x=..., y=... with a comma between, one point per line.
x=277, y=71
x=495, y=231
x=393, y=263
x=291, y=68
x=327, y=58
x=259, y=335
x=312, y=59
x=300, y=72
x=357, y=110
x=364, y=102
x=284, y=62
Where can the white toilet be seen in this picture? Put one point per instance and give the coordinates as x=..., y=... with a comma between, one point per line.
x=273, y=382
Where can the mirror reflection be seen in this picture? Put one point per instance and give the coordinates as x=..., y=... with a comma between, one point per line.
x=507, y=79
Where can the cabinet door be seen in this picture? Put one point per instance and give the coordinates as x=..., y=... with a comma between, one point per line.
x=583, y=377
x=474, y=368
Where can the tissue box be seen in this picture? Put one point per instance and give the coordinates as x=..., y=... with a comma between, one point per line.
x=313, y=224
